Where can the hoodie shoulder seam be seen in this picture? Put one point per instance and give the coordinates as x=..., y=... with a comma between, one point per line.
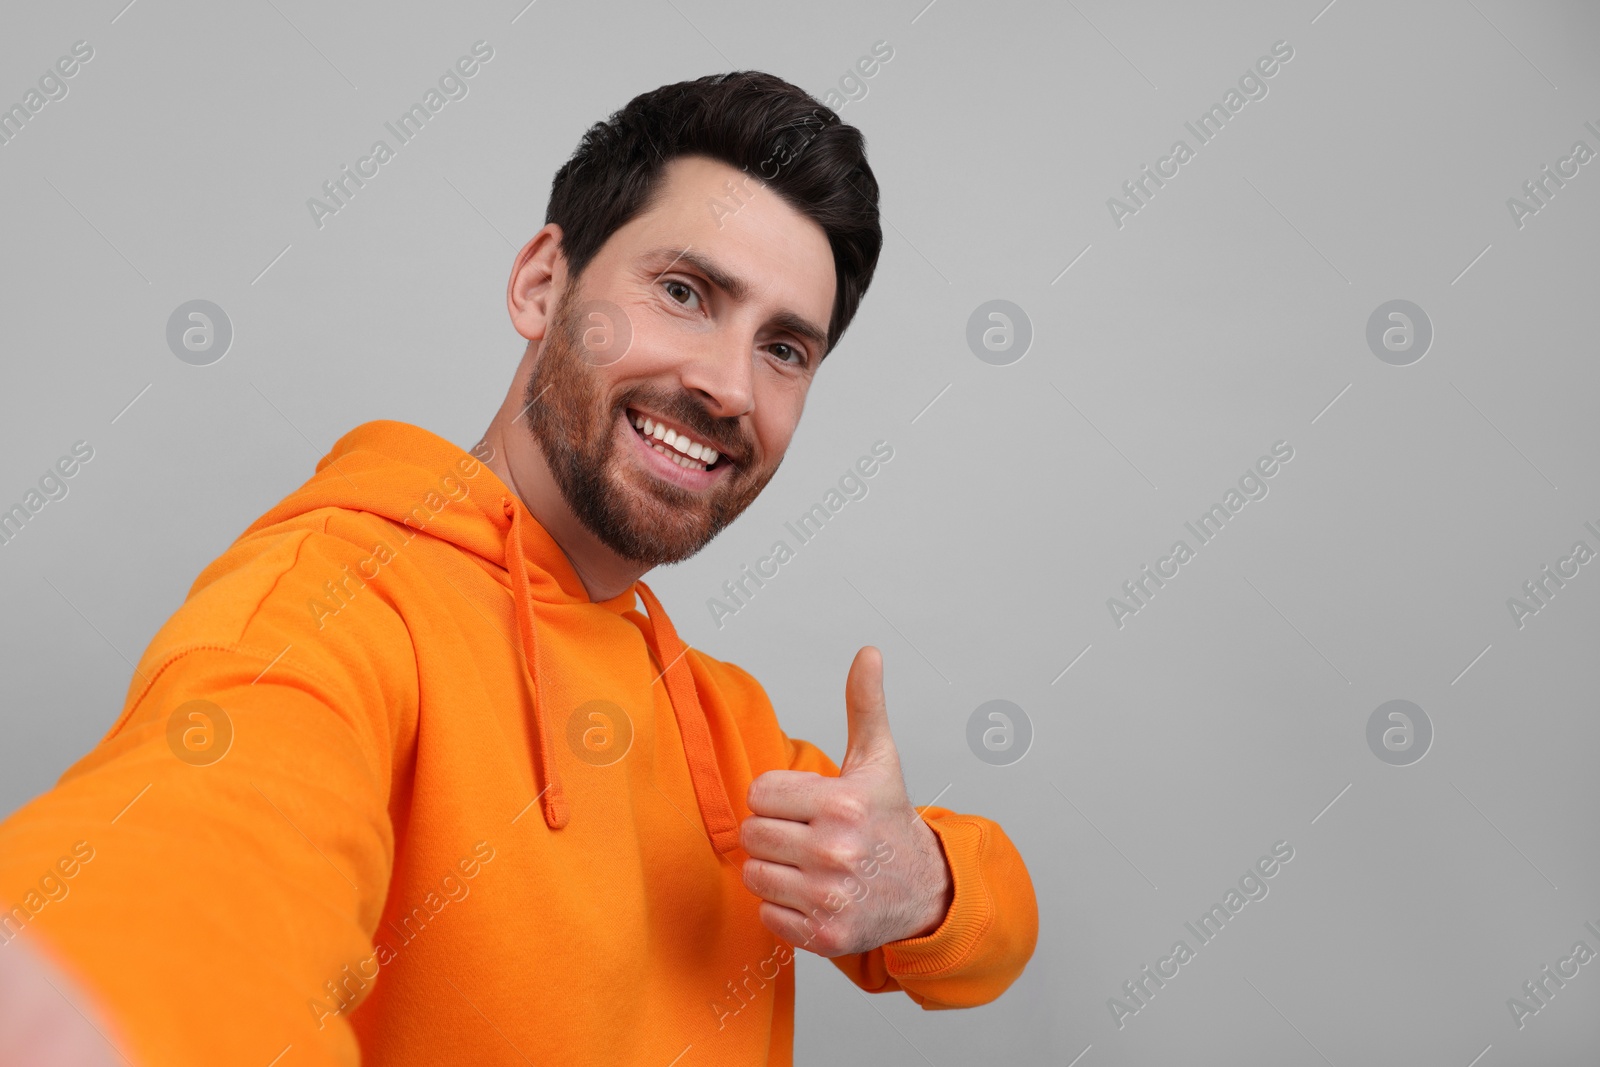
x=299, y=545
x=174, y=655
x=236, y=645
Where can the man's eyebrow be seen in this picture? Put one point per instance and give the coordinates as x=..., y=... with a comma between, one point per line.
x=735, y=287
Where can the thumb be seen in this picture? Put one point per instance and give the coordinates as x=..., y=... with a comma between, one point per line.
x=869, y=739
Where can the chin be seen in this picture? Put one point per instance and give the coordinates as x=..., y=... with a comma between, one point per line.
x=634, y=532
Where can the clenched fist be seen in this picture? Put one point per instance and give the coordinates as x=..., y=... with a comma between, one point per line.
x=846, y=864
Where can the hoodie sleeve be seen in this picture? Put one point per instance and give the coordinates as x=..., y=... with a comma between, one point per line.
x=987, y=936
x=211, y=868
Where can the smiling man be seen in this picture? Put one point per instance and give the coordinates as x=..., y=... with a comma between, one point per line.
x=410, y=778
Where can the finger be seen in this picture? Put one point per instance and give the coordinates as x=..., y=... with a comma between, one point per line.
x=783, y=922
x=802, y=931
x=776, y=883
x=778, y=840
x=870, y=740
x=794, y=795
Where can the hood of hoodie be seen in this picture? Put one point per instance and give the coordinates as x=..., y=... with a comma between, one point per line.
x=420, y=481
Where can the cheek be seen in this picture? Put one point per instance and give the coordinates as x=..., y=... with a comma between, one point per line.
x=654, y=353
x=776, y=429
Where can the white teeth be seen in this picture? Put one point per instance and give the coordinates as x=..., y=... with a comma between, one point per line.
x=679, y=459
x=687, y=451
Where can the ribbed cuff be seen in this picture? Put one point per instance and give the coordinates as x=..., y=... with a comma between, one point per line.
x=970, y=915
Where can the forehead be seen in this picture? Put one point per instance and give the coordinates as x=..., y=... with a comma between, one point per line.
x=733, y=219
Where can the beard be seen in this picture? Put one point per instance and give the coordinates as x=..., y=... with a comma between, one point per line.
x=630, y=509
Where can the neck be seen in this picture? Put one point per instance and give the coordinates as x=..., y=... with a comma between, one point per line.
x=604, y=573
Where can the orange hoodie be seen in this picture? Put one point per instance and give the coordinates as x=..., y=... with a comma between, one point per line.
x=389, y=788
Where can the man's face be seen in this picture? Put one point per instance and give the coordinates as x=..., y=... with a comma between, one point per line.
x=695, y=314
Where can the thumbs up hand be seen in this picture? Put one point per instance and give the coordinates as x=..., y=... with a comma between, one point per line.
x=846, y=864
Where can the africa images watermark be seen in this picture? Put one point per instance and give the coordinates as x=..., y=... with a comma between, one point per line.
x=1542, y=588
x=53, y=887
x=870, y=867
x=1541, y=190
x=452, y=86
x=852, y=84
x=852, y=486
x=1253, y=86
x=52, y=86
x=349, y=987
x=52, y=486
x=1538, y=989
x=1252, y=887
x=853, y=87
x=451, y=490
x=1252, y=485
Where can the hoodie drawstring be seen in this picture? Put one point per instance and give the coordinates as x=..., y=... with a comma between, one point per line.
x=551, y=796
x=716, y=811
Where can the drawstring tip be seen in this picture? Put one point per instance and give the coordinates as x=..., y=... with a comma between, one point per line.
x=725, y=840
x=556, y=811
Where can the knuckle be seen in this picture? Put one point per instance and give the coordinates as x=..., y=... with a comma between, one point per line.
x=839, y=854
x=846, y=806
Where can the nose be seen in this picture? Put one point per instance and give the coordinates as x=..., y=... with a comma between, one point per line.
x=722, y=375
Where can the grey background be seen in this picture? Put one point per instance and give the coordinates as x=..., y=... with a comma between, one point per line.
x=1225, y=316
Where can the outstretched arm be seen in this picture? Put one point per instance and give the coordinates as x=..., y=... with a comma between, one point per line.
x=934, y=903
x=211, y=869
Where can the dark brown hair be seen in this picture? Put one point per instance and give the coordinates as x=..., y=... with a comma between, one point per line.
x=758, y=123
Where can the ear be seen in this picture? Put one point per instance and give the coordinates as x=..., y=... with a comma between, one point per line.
x=537, y=278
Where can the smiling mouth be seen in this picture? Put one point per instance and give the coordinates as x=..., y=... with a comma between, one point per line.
x=683, y=449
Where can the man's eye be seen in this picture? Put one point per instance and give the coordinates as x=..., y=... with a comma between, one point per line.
x=673, y=287
x=799, y=356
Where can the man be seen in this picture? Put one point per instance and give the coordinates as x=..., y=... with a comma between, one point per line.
x=410, y=779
